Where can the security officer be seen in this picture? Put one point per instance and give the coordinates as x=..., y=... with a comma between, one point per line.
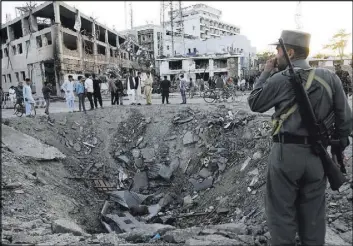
x=345, y=78
x=296, y=183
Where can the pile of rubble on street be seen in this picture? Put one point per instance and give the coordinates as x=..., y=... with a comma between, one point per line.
x=146, y=177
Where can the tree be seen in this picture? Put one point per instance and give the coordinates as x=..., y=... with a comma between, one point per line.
x=321, y=56
x=339, y=42
x=264, y=56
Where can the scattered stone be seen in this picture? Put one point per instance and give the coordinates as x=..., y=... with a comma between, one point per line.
x=249, y=240
x=245, y=164
x=139, y=163
x=19, y=192
x=166, y=200
x=148, y=153
x=139, y=141
x=254, y=181
x=13, y=185
x=136, y=153
x=67, y=226
x=222, y=210
x=171, y=138
x=338, y=225
x=187, y=200
x=207, y=183
x=165, y=172
x=254, y=172
x=182, y=121
x=140, y=181
x=204, y=173
x=189, y=138
x=77, y=147
x=257, y=155
x=124, y=158
x=174, y=164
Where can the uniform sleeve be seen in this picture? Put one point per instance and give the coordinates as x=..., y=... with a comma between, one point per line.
x=342, y=110
x=268, y=91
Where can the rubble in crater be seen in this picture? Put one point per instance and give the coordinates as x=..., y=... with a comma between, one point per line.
x=193, y=178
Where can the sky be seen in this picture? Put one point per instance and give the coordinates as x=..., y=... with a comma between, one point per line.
x=261, y=22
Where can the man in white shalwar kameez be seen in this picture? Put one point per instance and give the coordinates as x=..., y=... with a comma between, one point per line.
x=138, y=93
x=28, y=98
x=68, y=88
x=130, y=83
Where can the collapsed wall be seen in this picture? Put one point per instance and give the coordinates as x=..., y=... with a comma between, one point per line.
x=143, y=174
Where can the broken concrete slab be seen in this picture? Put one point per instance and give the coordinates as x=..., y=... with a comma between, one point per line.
x=189, y=138
x=174, y=164
x=257, y=155
x=187, y=200
x=123, y=220
x=67, y=226
x=139, y=163
x=205, y=173
x=140, y=182
x=212, y=240
x=181, y=235
x=165, y=172
x=145, y=232
x=207, y=183
x=254, y=172
x=24, y=145
x=339, y=226
x=127, y=198
x=166, y=200
x=148, y=153
x=236, y=228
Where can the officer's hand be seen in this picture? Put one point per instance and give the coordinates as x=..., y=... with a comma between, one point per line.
x=270, y=65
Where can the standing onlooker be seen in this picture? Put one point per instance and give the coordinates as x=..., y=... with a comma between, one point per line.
x=112, y=89
x=46, y=90
x=89, y=90
x=19, y=92
x=97, y=91
x=27, y=95
x=345, y=79
x=130, y=84
x=80, y=91
x=183, y=88
x=68, y=88
x=219, y=82
x=148, y=88
x=138, y=88
x=119, y=92
x=165, y=85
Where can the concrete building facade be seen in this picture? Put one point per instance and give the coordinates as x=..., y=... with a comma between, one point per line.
x=54, y=40
x=202, y=21
x=201, y=67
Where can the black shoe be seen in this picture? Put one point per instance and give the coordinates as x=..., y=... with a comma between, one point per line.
x=139, y=104
x=168, y=102
x=91, y=109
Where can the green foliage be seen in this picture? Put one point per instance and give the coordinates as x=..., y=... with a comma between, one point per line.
x=339, y=42
x=264, y=56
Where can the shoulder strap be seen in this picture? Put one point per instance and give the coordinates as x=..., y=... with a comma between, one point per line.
x=278, y=122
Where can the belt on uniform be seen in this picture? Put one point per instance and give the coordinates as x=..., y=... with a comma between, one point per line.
x=291, y=139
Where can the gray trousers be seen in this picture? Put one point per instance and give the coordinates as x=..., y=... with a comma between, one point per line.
x=81, y=102
x=295, y=195
x=47, y=103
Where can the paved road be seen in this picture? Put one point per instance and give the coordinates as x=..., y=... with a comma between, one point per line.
x=175, y=98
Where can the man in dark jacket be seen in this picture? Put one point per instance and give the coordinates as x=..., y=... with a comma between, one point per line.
x=46, y=94
x=119, y=91
x=165, y=85
x=97, y=96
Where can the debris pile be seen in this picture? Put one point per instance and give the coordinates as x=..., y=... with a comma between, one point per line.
x=195, y=178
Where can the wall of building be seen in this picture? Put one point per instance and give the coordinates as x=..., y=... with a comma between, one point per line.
x=189, y=68
x=29, y=61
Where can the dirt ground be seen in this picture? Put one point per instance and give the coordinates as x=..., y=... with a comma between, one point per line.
x=215, y=143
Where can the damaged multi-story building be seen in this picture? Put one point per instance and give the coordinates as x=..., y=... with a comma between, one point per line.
x=229, y=55
x=53, y=40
